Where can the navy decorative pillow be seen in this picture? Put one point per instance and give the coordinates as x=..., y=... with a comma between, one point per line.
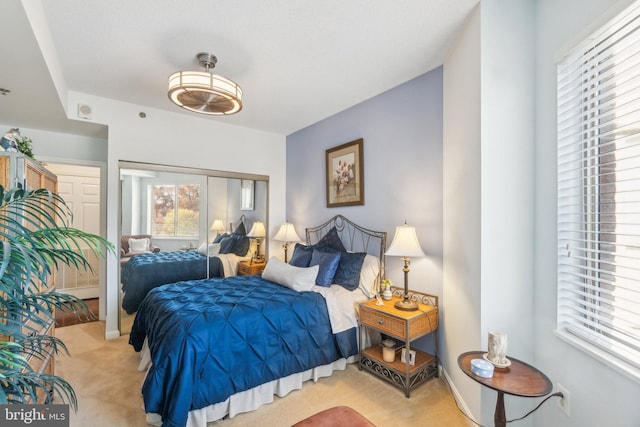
x=348, y=272
x=301, y=255
x=241, y=244
x=332, y=240
x=240, y=230
x=219, y=237
x=226, y=244
x=328, y=263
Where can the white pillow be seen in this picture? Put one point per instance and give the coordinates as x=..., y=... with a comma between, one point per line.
x=137, y=246
x=369, y=275
x=212, y=248
x=296, y=278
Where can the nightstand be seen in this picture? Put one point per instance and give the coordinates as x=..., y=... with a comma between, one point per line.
x=246, y=268
x=405, y=326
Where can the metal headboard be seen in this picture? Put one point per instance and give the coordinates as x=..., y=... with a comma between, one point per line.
x=242, y=220
x=354, y=237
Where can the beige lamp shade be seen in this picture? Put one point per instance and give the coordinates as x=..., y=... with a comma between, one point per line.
x=217, y=226
x=257, y=230
x=287, y=233
x=405, y=243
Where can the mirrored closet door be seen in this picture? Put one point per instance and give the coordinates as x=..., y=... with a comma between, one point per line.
x=169, y=218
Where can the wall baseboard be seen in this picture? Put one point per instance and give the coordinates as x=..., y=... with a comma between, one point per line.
x=456, y=395
x=111, y=335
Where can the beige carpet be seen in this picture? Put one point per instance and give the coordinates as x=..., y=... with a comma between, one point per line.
x=105, y=377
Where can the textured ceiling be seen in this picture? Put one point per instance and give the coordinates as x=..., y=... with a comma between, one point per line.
x=297, y=61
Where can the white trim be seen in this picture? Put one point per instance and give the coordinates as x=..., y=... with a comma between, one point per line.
x=606, y=358
x=111, y=335
x=458, y=397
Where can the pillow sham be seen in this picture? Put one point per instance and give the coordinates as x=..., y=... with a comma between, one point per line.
x=327, y=263
x=301, y=255
x=240, y=245
x=209, y=249
x=137, y=246
x=296, y=278
x=332, y=240
x=240, y=230
x=219, y=237
x=226, y=244
x=369, y=276
x=348, y=272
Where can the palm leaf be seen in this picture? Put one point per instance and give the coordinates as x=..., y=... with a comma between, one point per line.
x=36, y=238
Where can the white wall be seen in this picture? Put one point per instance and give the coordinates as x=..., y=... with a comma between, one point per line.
x=600, y=395
x=507, y=183
x=55, y=145
x=181, y=140
x=461, y=207
x=488, y=187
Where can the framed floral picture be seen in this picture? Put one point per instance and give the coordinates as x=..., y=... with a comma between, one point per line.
x=345, y=175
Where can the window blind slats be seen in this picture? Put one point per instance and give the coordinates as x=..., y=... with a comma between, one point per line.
x=598, y=177
x=618, y=326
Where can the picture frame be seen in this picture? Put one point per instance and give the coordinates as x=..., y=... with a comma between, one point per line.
x=247, y=192
x=345, y=174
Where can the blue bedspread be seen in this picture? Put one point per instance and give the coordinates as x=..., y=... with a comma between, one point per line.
x=144, y=272
x=212, y=338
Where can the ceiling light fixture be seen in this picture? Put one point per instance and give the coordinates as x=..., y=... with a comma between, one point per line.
x=203, y=92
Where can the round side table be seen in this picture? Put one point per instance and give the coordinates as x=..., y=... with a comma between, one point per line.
x=519, y=379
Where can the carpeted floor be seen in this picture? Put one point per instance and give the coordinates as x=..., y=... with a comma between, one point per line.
x=105, y=377
x=68, y=318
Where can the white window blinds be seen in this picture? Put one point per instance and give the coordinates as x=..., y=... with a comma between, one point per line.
x=599, y=189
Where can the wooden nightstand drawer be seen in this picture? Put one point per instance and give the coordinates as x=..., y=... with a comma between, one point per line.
x=246, y=269
x=390, y=320
x=383, y=322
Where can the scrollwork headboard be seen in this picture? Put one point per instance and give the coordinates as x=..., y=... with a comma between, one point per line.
x=354, y=237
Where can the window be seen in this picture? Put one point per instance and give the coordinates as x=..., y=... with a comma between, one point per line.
x=174, y=210
x=599, y=192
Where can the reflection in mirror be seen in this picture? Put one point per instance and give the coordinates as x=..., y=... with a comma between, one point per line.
x=170, y=219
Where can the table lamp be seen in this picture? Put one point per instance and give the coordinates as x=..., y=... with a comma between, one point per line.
x=286, y=234
x=258, y=232
x=217, y=226
x=405, y=244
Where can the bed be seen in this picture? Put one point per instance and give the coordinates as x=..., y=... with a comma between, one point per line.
x=146, y=271
x=221, y=346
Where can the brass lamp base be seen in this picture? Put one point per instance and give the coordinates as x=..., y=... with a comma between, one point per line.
x=406, y=305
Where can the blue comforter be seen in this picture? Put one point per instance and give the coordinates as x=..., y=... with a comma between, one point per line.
x=144, y=272
x=212, y=338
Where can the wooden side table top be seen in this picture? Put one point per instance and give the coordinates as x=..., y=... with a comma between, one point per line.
x=519, y=379
x=389, y=308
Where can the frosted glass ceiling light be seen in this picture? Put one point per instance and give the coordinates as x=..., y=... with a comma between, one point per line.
x=203, y=92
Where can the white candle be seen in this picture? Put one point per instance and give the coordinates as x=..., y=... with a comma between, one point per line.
x=497, y=347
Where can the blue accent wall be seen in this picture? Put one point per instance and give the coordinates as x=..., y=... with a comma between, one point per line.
x=402, y=131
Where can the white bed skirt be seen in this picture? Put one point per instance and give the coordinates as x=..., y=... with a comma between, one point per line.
x=249, y=400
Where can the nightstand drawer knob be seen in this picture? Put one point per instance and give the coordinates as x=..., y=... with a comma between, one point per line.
x=381, y=322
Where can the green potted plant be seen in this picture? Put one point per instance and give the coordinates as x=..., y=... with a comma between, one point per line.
x=35, y=238
x=25, y=146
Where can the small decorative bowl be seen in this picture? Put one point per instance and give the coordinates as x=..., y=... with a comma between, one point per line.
x=482, y=368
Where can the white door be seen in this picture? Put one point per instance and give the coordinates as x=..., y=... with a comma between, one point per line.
x=79, y=186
